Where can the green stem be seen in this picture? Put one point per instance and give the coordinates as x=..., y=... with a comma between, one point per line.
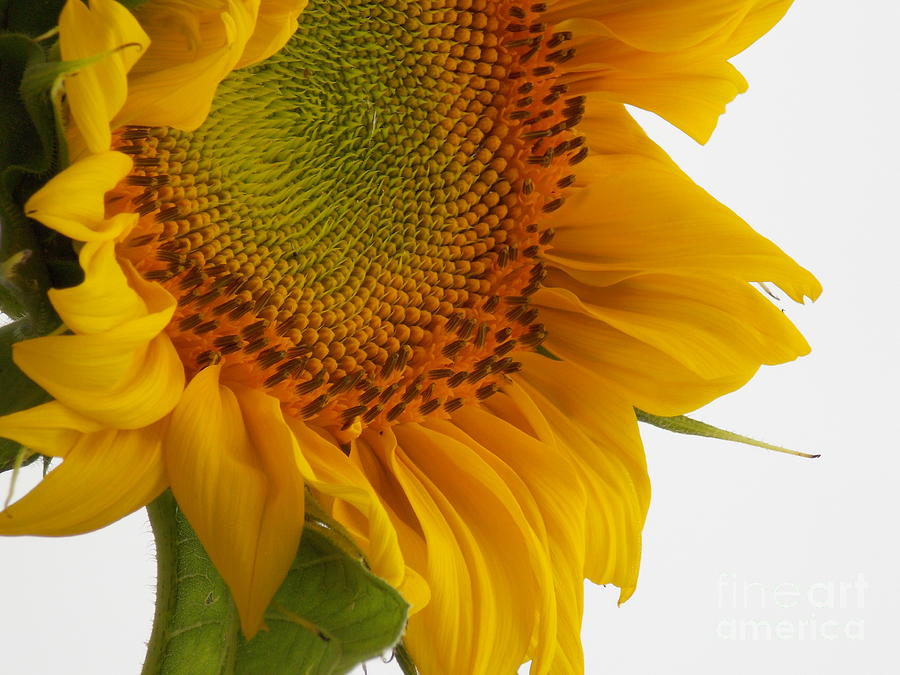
x=330, y=614
x=162, y=519
x=195, y=627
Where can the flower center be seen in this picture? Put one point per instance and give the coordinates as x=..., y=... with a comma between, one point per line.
x=356, y=225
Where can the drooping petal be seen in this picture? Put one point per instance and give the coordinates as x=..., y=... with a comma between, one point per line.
x=656, y=25
x=643, y=375
x=98, y=91
x=332, y=473
x=548, y=487
x=440, y=636
x=72, y=201
x=597, y=430
x=450, y=488
x=104, y=476
x=193, y=48
x=369, y=455
x=231, y=464
x=692, y=99
x=282, y=519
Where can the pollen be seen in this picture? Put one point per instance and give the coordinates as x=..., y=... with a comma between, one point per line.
x=357, y=226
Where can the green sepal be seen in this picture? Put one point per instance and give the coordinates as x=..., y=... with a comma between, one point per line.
x=33, y=149
x=330, y=614
x=17, y=393
x=36, y=18
x=543, y=351
x=686, y=425
x=29, y=154
x=404, y=660
x=28, y=142
x=30, y=17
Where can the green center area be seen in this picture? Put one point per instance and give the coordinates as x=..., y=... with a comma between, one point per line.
x=354, y=145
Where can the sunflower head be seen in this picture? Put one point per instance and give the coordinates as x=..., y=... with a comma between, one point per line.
x=413, y=257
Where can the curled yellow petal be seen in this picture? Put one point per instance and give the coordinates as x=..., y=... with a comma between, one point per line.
x=656, y=25
x=714, y=325
x=500, y=553
x=72, y=202
x=332, y=473
x=643, y=375
x=547, y=487
x=669, y=57
x=595, y=428
x=125, y=377
x=283, y=514
x=104, y=299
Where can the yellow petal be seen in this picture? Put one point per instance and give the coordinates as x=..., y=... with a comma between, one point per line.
x=332, y=473
x=442, y=474
x=193, y=48
x=714, y=325
x=668, y=57
x=655, y=25
x=50, y=429
x=105, y=476
x=540, y=476
x=97, y=92
x=641, y=374
x=761, y=18
x=275, y=24
x=370, y=454
x=231, y=464
x=598, y=431
x=126, y=377
x=691, y=99
x=638, y=213
x=441, y=635
x=283, y=515
x=72, y=201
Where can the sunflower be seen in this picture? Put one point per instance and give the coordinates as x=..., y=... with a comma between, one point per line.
x=412, y=255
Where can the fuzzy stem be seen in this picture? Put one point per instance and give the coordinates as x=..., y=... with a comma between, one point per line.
x=195, y=628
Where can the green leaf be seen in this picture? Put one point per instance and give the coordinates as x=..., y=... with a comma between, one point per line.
x=686, y=425
x=330, y=614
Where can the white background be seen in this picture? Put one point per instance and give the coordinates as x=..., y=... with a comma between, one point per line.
x=746, y=551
